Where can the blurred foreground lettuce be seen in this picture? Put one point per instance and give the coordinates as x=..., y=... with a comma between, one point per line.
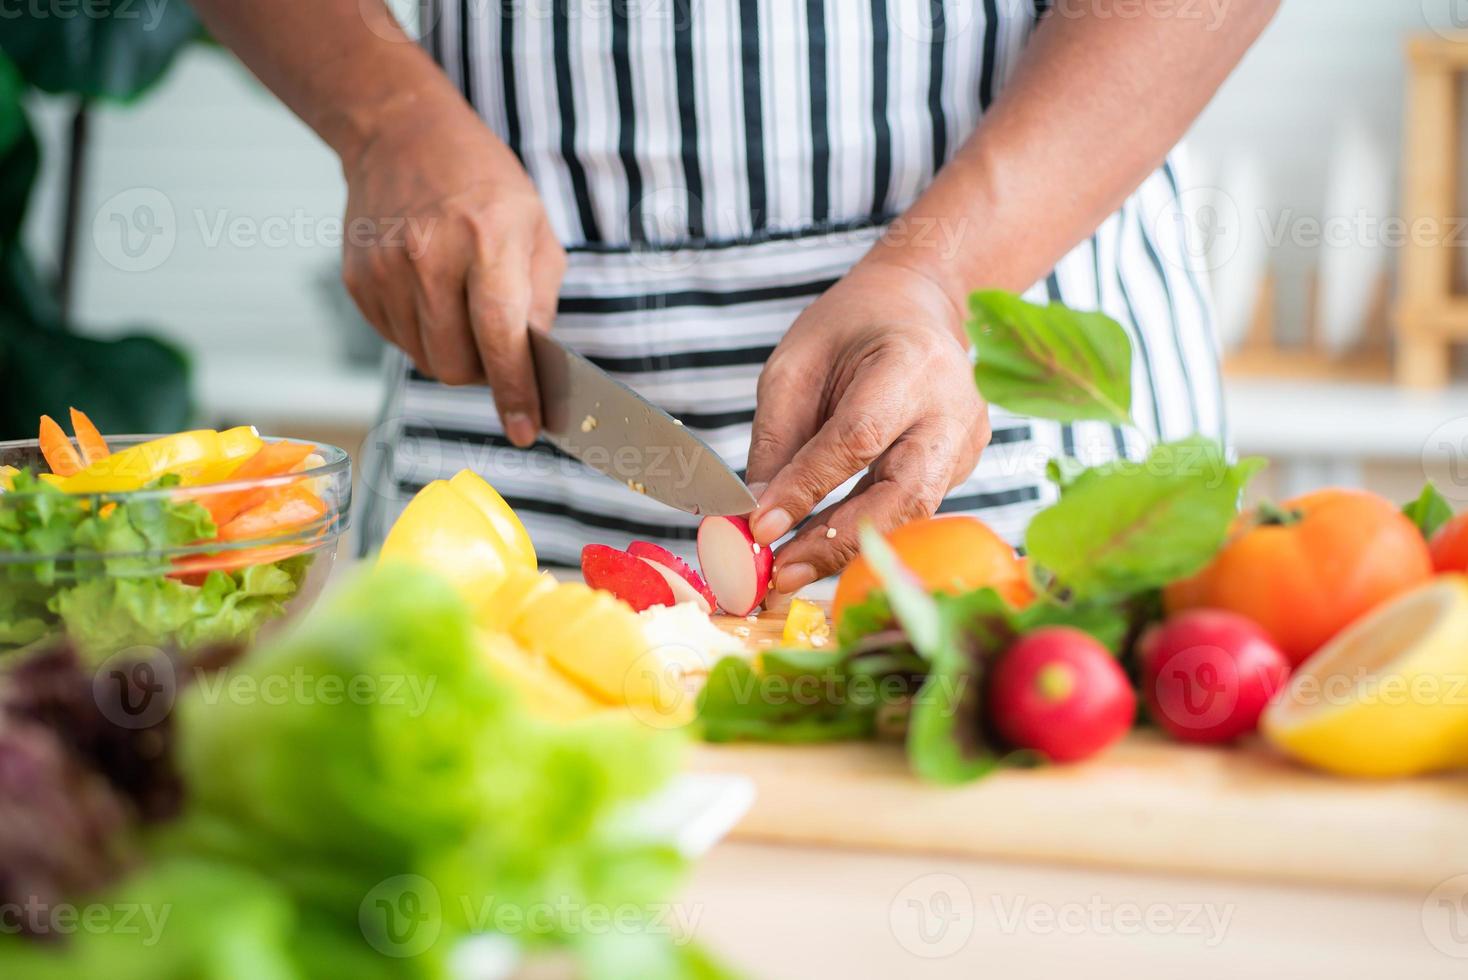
x=364, y=793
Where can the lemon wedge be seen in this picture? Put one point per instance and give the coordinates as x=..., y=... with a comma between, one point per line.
x=1387, y=697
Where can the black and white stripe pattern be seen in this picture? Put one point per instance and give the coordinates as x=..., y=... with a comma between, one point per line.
x=712, y=167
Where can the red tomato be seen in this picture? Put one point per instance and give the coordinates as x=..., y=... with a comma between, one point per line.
x=1310, y=568
x=1449, y=546
x=1061, y=693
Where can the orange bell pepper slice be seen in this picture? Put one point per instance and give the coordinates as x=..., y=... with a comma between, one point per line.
x=60, y=455
x=93, y=446
x=286, y=508
x=194, y=569
x=272, y=459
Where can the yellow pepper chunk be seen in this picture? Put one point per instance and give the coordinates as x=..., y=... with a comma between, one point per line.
x=805, y=625
x=7, y=474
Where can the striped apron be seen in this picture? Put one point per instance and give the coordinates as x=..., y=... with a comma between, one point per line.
x=711, y=167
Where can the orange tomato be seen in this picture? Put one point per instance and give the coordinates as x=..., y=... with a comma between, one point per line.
x=1449, y=546
x=947, y=554
x=1308, y=569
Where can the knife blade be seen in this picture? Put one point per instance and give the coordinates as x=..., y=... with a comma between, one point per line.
x=589, y=415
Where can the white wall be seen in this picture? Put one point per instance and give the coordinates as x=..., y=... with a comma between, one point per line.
x=215, y=144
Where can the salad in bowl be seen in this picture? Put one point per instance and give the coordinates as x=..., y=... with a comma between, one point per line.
x=180, y=541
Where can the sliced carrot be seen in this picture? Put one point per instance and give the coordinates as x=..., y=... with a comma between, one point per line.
x=93, y=446
x=60, y=455
x=288, y=507
x=195, y=568
x=272, y=459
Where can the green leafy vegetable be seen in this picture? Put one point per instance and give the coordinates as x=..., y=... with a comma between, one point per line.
x=100, y=575
x=1430, y=511
x=375, y=742
x=1127, y=527
x=1050, y=361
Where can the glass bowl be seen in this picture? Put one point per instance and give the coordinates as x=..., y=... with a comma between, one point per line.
x=151, y=568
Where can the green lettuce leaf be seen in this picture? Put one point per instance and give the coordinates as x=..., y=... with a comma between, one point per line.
x=1126, y=527
x=1050, y=361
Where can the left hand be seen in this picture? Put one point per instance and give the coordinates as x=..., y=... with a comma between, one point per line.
x=872, y=375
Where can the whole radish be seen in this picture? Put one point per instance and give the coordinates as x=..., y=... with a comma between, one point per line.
x=1207, y=675
x=1060, y=692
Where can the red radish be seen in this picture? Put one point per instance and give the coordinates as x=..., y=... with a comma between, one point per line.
x=736, y=568
x=1207, y=675
x=629, y=579
x=1060, y=692
x=687, y=585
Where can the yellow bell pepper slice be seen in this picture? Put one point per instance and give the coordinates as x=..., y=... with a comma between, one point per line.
x=440, y=530
x=7, y=474
x=544, y=691
x=235, y=446
x=183, y=453
x=463, y=530
x=493, y=506
x=599, y=642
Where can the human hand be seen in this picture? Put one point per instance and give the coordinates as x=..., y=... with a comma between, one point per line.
x=872, y=375
x=450, y=256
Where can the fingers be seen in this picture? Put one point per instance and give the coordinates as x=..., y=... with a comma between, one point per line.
x=547, y=269
x=905, y=484
x=872, y=413
x=787, y=414
x=499, y=293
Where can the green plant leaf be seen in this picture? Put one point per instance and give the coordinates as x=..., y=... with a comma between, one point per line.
x=108, y=49
x=1050, y=361
x=130, y=384
x=1430, y=511
x=1125, y=527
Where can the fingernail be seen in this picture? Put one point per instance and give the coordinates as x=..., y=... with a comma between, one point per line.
x=519, y=429
x=770, y=525
x=793, y=578
x=758, y=489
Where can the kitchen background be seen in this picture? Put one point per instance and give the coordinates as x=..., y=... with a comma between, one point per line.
x=1309, y=129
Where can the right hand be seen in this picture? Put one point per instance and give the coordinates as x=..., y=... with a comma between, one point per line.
x=450, y=256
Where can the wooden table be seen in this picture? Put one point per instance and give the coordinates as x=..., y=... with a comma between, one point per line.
x=1156, y=859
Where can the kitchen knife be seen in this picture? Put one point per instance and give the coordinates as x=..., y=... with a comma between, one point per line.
x=606, y=425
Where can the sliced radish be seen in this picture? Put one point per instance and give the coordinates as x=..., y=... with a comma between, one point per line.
x=630, y=579
x=736, y=568
x=687, y=584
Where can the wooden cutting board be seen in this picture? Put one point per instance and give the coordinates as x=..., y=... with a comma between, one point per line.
x=1148, y=804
